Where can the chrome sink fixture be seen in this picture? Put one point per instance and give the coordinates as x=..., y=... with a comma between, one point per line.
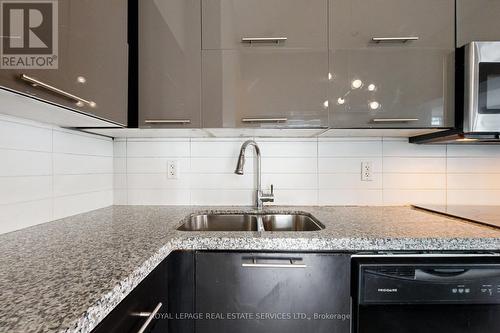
x=251, y=222
x=260, y=196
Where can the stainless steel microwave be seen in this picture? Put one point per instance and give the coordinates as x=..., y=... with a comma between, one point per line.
x=477, y=97
x=482, y=87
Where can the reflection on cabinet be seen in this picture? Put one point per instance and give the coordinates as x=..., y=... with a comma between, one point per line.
x=264, y=63
x=477, y=20
x=169, y=63
x=92, y=62
x=266, y=285
x=391, y=63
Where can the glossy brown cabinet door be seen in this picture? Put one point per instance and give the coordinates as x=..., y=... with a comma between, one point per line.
x=11, y=78
x=391, y=63
x=477, y=20
x=264, y=63
x=169, y=63
x=98, y=55
x=92, y=71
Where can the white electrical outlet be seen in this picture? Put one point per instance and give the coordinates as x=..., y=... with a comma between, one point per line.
x=367, y=171
x=173, y=169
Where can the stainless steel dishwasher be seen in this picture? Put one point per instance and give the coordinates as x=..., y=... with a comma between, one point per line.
x=426, y=293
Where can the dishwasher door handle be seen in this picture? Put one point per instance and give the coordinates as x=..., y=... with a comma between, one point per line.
x=452, y=274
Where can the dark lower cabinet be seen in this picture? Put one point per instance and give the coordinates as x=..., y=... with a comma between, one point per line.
x=260, y=292
x=134, y=311
x=240, y=292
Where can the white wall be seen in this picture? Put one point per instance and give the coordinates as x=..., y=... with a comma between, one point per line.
x=306, y=172
x=47, y=173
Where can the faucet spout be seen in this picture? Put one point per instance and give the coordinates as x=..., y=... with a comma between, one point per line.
x=260, y=197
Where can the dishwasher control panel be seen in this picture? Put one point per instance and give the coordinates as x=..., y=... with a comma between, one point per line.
x=427, y=282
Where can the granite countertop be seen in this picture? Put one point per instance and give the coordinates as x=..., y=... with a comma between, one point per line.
x=67, y=275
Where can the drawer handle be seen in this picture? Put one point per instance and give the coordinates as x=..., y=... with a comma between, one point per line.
x=251, y=40
x=256, y=264
x=394, y=39
x=167, y=121
x=150, y=315
x=264, y=120
x=394, y=120
x=37, y=83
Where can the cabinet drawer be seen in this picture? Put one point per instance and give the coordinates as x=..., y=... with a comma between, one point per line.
x=242, y=87
x=391, y=63
x=269, y=284
x=302, y=22
x=134, y=311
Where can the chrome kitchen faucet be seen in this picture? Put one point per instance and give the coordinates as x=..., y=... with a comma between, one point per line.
x=260, y=196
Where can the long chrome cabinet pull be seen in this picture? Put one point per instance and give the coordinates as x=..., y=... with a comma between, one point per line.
x=38, y=83
x=167, y=121
x=394, y=120
x=394, y=39
x=150, y=315
x=264, y=120
x=256, y=264
x=276, y=40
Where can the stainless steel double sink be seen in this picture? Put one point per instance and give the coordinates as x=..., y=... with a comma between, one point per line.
x=251, y=222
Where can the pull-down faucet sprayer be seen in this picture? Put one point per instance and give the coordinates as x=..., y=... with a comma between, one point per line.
x=260, y=196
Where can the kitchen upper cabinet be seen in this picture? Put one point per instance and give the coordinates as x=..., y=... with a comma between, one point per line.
x=391, y=63
x=477, y=20
x=293, y=286
x=92, y=71
x=98, y=56
x=169, y=63
x=264, y=63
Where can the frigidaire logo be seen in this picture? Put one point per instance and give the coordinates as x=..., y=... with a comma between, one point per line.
x=29, y=34
x=387, y=290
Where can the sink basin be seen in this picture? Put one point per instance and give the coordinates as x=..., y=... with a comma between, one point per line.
x=250, y=222
x=222, y=222
x=290, y=222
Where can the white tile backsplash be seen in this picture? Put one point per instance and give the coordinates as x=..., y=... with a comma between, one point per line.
x=324, y=171
x=25, y=163
x=172, y=148
x=48, y=173
x=414, y=165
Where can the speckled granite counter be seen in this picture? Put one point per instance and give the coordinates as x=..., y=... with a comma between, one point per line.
x=67, y=275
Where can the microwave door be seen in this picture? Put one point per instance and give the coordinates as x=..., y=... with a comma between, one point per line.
x=482, y=88
x=489, y=88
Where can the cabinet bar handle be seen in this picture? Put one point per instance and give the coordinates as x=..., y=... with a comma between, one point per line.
x=251, y=40
x=394, y=39
x=264, y=120
x=37, y=83
x=394, y=120
x=255, y=264
x=150, y=315
x=167, y=121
